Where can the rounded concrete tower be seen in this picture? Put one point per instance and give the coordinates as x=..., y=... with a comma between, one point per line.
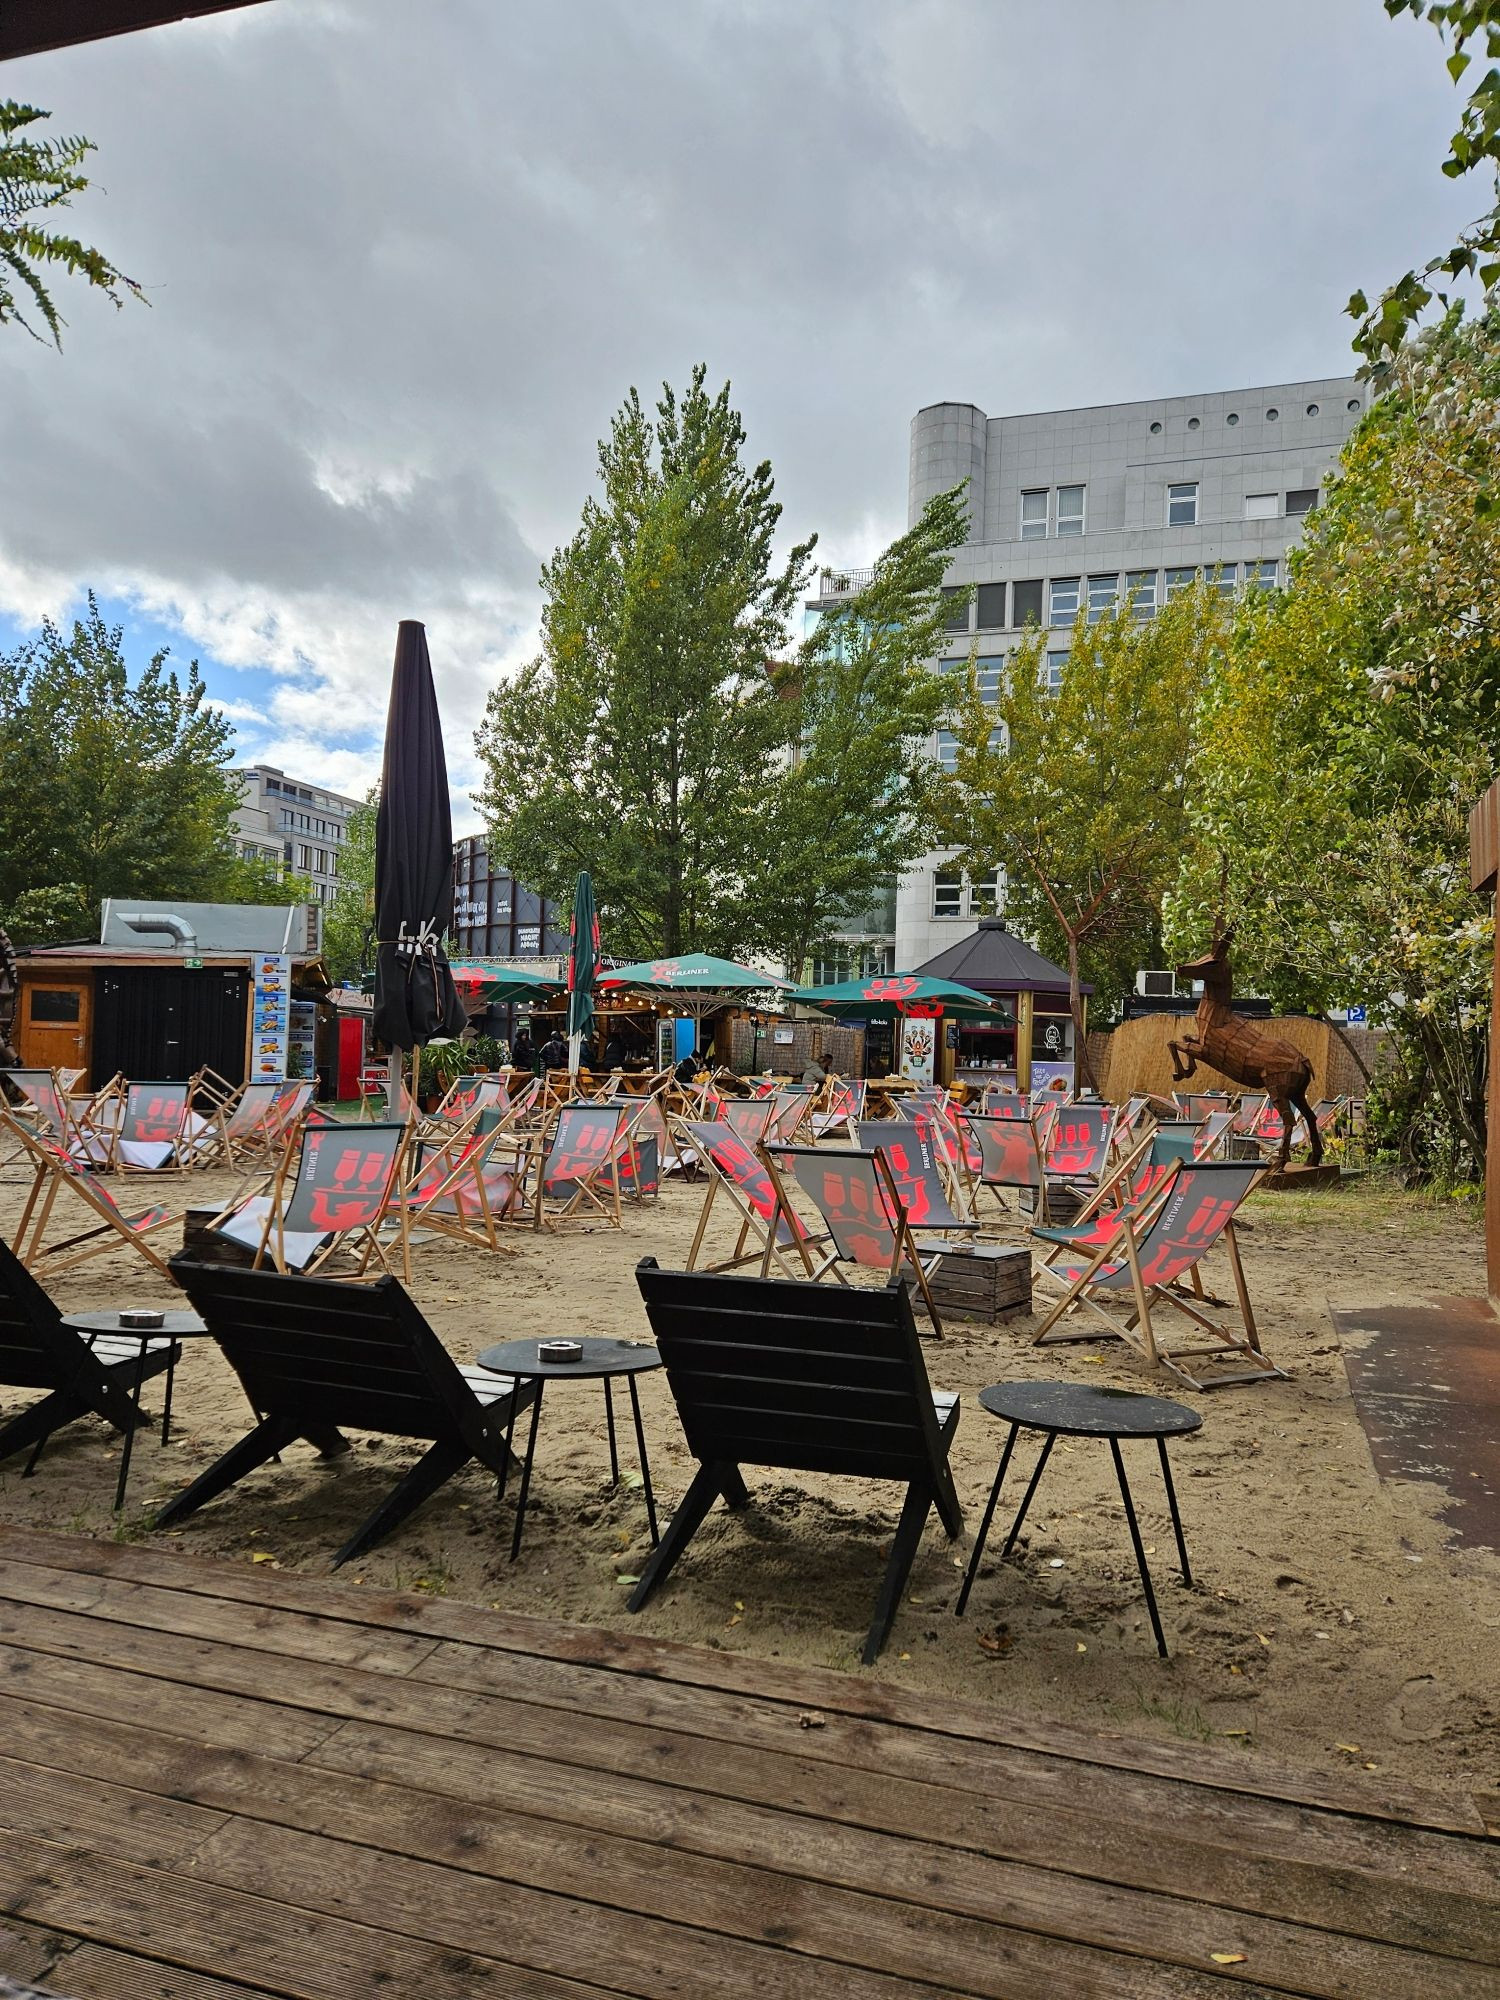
x=948, y=442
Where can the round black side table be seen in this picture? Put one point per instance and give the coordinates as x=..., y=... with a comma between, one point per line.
x=1080, y=1409
x=601, y=1360
x=175, y=1326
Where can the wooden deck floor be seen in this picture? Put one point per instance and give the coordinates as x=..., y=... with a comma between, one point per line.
x=216, y=1781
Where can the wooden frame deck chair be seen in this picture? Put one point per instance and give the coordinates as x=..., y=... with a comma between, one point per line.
x=315, y=1356
x=1247, y=1113
x=1327, y=1112
x=335, y=1188
x=1196, y=1105
x=1213, y=1135
x=520, y=1105
x=1078, y=1146
x=1005, y=1104
x=790, y=1111
x=55, y=1173
x=157, y=1130
x=749, y=1118
x=767, y=1372
x=1009, y=1158
x=382, y=1104
x=1142, y=1266
x=846, y=1104
x=68, y=1122
x=244, y=1127
x=1124, y=1192
x=771, y=1233
x=462, y=1187
x=582, y=1170
x=85, y=1377
x=859, y=1202
x=1129, y=1122
x=650, y=1132
x=910, y=1149
x=463, y=1101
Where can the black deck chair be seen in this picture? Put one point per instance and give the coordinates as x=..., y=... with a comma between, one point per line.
x=313, y=1355
x=776, y=1372
x=38, y=1352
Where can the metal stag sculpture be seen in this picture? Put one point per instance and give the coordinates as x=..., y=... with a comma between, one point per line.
x=1236, y=1048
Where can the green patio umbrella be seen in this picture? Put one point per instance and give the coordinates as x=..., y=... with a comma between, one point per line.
x=697, y=984
x=583, y=967
x=488, y=982
x=883, y=996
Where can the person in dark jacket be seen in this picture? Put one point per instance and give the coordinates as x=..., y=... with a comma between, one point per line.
x=523, y=1049
x=554, y=1052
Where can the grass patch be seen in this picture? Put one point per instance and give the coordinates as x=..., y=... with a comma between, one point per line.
x=1184, y=1719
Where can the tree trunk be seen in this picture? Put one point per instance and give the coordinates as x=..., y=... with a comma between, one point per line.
x=1084, y=1069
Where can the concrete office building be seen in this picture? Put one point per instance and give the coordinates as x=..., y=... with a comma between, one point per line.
x=1071, y=508
x=294, y=827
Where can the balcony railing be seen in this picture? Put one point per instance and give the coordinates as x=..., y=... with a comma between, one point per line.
x=831, y=584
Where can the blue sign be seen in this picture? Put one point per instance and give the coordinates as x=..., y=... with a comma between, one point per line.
x=1356, y=1016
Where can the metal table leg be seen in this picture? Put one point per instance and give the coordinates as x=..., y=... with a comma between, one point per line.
x=614, y=1450
x=640, y=1445
x=166, y=1410
x=984, y=1526
x=1015, y=1526
x=1140, y=1553
x=1166, y=1476
x=126, y=1448
x=536, y=1416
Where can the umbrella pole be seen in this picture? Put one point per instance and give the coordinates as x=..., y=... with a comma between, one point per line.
x=575, y=1051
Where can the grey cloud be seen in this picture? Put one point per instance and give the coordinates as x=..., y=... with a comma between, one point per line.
x=441, y=240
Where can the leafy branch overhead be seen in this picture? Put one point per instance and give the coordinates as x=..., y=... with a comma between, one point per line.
x=37, y=175
x=1470, y=28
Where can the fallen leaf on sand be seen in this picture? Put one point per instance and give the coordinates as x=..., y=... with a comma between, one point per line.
x=262, y=1556
x=993, y=1642
x=732, y=1621
x=622, y=1577
x=1227, y=1957
x=1081, y=1647
x=1349, y=1749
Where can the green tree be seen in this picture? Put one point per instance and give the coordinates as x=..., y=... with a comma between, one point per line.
x=1079, y=792
x=643, y=742
x=1466, y=27
x=854, y=802
x=1356, y=719
x=37, y=175
x=349, y=927
x=113, y=786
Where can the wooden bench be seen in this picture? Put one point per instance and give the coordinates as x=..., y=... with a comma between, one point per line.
x=777, y=1372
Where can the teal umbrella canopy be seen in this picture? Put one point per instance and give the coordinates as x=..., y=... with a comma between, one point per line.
x=885, y=995
x=698, y=983
x=583, y=957
x=489, y=983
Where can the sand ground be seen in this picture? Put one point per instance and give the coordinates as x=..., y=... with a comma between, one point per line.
x=1333, y=1621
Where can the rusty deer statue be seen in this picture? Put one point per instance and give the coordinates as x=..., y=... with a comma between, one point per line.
x=1236, y=1048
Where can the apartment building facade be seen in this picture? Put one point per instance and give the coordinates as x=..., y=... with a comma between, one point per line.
x=292, y=826
x=1071, y=510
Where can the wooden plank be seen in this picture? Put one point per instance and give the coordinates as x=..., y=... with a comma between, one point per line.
x=297, y=1954
x=582, y=1940
x=94, y=1972
x=64, y=1806
x=851, y=1780
x=484, y=1830
x=640, y=1655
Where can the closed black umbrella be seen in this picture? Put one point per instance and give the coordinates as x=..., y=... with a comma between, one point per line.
x=415, y=999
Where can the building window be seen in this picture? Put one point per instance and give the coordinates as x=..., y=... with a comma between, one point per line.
x=1182, y=504
x=1026, y=603
x=988, y=672
x=1052, y=672
x=1260, y=575
x=990, y=598
x=1140, y=588
x=1224, y=578
x=957, y=598
x=1179, y=580
x=1070, y=510
x=1261, y=506
x=1232, y=419
x=304, y=859
x=1062, y=606
x=1103, y=590
x=1302, y=501
x=1312, y=409
x=947, y=747
x=954, y=895
x=1034, y=515
x=1195, y=423
x=273, y=784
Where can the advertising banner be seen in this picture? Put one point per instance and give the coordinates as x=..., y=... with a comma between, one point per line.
x=270, y=1017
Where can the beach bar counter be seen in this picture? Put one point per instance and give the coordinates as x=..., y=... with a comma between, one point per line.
x=1031, y=1041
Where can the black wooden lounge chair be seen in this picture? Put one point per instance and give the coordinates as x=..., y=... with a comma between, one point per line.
x=314, y=1355
x=777, y=1372
x=38, y=1352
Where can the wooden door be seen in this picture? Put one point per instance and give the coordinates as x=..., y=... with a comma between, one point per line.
x=54, y=1020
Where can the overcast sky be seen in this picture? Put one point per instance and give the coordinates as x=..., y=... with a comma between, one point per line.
x=406, y=256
